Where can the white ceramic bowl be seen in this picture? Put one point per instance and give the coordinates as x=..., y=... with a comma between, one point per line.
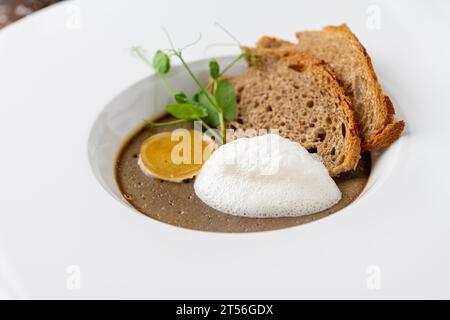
x=147, y=99
x=63, y=236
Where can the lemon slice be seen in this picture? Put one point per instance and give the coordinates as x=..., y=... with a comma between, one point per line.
x=175, y=155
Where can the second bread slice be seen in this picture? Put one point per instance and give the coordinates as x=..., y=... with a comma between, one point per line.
x=339, y=47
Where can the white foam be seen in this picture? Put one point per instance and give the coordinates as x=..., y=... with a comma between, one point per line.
x=266, y=176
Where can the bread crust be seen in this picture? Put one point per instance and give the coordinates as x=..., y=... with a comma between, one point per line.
x=391, y=129
x=272, y=43
x=353, y=142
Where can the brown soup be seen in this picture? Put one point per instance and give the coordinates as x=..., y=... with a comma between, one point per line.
x=177, y=204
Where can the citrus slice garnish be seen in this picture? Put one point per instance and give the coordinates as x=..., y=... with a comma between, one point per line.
x=175, y=155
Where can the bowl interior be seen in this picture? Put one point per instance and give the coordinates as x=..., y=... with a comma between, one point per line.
x=146, y=99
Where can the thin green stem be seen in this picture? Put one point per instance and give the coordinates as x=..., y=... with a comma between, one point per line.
x=139, y=53
x=232, y=63
x=168, y=37
x=228, y=67
x=179, y=56
x=213, y=84
x=213, y=132
x=207, y=95
x=167, y=123
x=228, y=33
x=222, y=128
x=164, y=80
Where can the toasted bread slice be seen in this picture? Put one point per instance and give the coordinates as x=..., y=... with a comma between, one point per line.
x=339, y=47
x=301, y=97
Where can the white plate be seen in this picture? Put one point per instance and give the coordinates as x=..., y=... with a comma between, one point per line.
x=63, y=236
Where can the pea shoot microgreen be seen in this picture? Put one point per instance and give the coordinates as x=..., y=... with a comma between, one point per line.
x=211, y=105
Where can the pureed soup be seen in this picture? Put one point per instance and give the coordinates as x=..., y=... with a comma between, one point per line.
x=177, y=203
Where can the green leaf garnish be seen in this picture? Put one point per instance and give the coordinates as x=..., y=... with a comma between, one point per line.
x=211, y=109
x=180, y=97
x=226, y=99
x=161, y=62
x=214, y=69
x=213, y=116
x=187, y=111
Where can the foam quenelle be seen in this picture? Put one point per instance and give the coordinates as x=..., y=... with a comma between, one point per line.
x=266, y=176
